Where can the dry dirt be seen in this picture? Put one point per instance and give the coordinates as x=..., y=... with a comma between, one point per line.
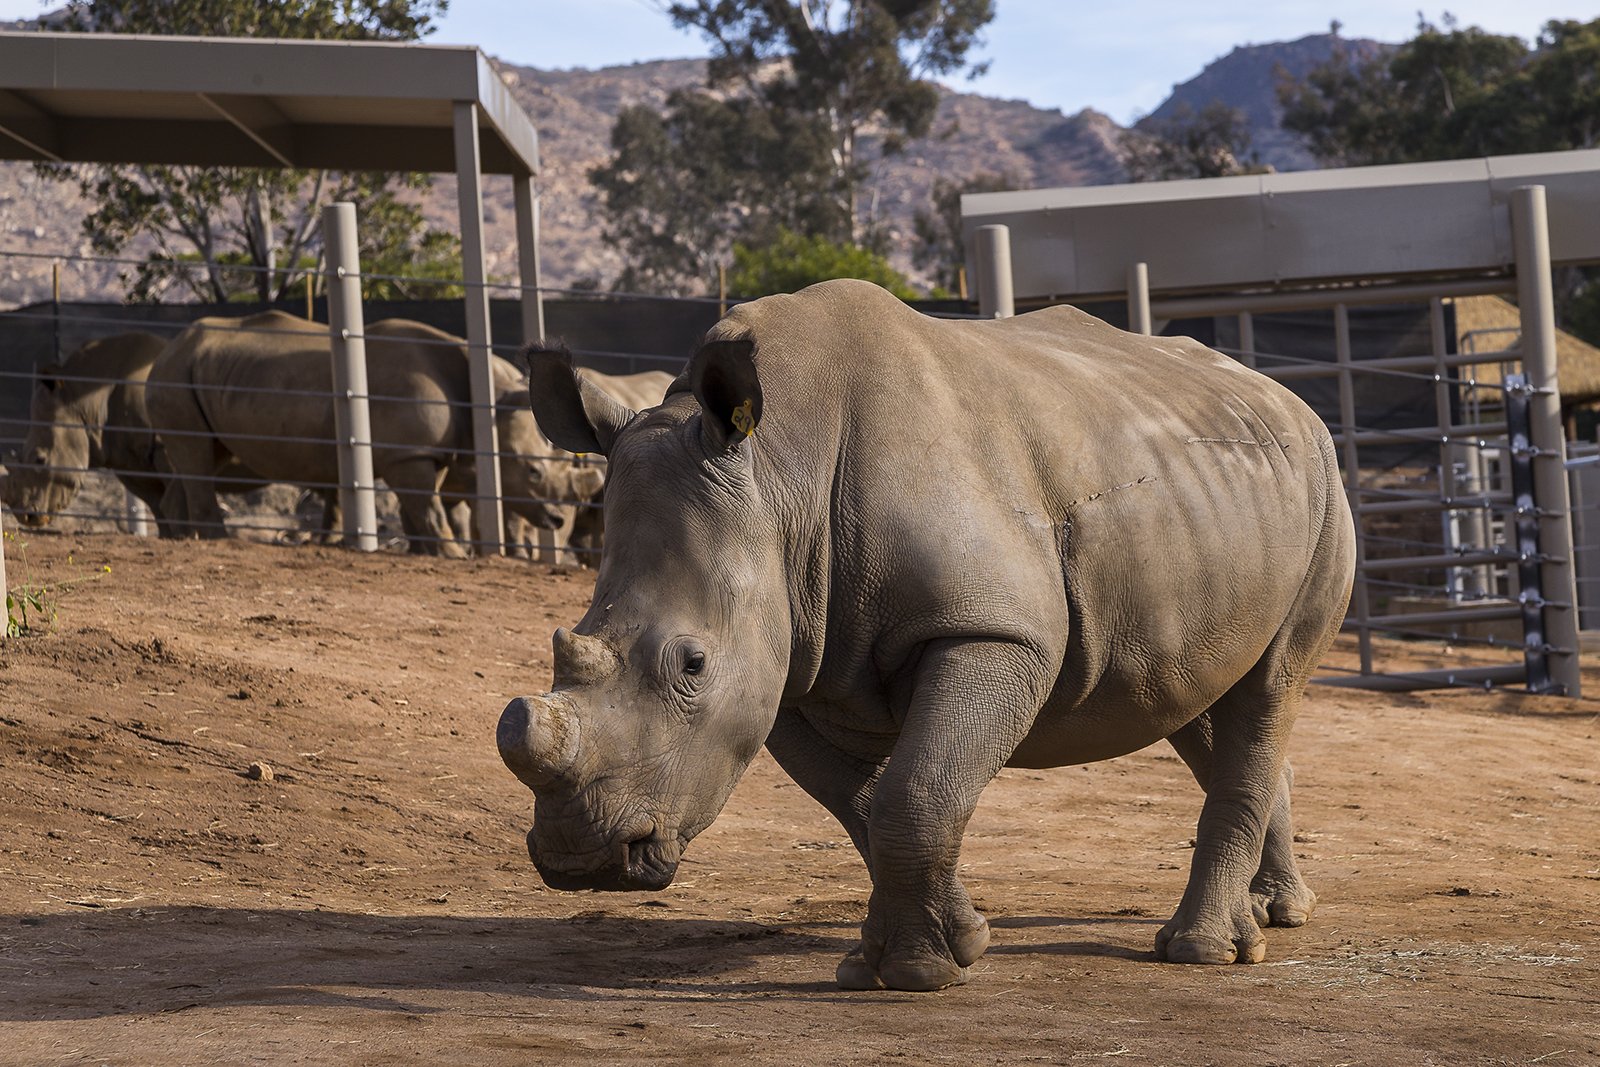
x=372, y=902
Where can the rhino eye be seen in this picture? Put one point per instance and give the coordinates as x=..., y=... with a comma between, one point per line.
x=695, y=663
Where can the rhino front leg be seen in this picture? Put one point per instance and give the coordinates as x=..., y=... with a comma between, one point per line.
x=422, y=514
x=971, y=705
x=1279, y=895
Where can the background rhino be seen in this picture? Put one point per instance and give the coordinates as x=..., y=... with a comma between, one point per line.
x=77, y=424
x=637, y=392
x=905, y=552
x=211, y=395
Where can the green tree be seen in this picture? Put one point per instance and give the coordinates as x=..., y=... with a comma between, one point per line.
x=684, y=184
x=792, y=261
x=1213, y=142
x=1453, y=93
x=937, y=246
x=251, y=233
x=793, y=87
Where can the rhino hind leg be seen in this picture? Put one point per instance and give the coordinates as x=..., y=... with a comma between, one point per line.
x=422, y=514
x=1279, y=895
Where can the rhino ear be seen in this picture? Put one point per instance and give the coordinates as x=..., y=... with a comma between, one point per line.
x=723, y=378
x=573, y=413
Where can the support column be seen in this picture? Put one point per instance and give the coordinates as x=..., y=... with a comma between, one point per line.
x=1360, y=607
x=1536, y=305
x=351, y=419
x=480, y=357
x=1247, y=339
x=550, y=543
x=1139, y=320
x=995, y=294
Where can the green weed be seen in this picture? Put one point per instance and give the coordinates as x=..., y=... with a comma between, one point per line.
x=33, y=606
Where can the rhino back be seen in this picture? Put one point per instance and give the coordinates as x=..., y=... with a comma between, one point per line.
x=1143, y=508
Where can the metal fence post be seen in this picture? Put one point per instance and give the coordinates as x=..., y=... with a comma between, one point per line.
x=995, y=298
x=351, y=419
x=1535, y=302
x=1139, y=320
x=1360, y=605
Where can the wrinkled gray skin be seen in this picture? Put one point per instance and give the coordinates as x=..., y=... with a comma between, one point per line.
x=81, y=424
x=207, y=384
x=948, y=547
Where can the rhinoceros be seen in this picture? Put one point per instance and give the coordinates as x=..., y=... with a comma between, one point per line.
x=905, y=553
x=88, y=411
x=257, y=390
x=638, y=391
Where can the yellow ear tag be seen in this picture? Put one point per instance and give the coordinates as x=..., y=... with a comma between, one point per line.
x=743, y=420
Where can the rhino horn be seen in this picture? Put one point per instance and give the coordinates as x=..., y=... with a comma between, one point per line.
x=582, y=659
x=538, y=740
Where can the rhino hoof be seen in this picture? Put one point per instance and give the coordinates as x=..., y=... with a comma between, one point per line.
x=1198, y=948
x=1283, y=907
x=855, y=973
x=921, y=976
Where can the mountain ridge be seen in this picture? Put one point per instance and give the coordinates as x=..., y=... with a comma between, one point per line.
x=574, y=109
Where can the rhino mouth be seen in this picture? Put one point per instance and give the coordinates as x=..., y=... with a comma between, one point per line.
x=647, y=863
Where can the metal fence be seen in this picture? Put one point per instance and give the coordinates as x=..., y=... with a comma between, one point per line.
x=104, y=403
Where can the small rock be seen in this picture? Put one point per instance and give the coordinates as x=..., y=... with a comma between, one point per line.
x=259, y=772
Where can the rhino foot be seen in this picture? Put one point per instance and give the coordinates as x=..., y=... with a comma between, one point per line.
x=917, y=958
x=1281, y=904
x=1235, y=940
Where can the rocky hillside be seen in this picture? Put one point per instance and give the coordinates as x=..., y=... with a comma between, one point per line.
x=1247, y=79
x=574, y=111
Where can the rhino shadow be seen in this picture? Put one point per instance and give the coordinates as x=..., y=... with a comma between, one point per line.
x=124, y=961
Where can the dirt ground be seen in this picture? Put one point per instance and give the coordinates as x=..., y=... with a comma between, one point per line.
x=373, y=903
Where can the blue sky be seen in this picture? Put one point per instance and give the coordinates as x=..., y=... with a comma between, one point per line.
x=1120, y=58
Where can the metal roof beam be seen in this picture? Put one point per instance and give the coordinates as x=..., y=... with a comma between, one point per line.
x=257, y=119
x=29, y=125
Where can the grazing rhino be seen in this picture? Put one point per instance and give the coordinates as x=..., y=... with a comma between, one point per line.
x=905, y=553
x=258, y=390
x=88, y=411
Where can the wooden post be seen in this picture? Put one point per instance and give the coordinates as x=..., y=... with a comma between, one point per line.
x=722, y=290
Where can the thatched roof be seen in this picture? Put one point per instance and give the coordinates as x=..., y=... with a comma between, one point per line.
x=1491, y=324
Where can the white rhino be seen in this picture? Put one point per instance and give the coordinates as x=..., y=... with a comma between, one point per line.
x=88, y=411
x=904, y=553
x=258, y=390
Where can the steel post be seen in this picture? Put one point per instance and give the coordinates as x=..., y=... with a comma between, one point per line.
x=351, y=419
x=549, y=543
x=995, y=295
x=1139, y=299
x=1535, y=302
x=480, y=357
x=1247, y=339
x=1359, y=606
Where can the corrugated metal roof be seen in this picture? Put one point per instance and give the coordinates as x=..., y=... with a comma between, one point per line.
x=223, y=101
x=1293, y=229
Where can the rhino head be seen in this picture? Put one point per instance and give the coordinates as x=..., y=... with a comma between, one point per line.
x=46, y=475
x=533, y=483
x=670, y=683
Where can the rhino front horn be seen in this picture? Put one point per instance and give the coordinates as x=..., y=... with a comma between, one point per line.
x=538, y=740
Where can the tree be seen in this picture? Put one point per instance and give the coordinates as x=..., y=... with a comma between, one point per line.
x=1211, y=143
x=1456, y=93
x=791, y=261
x=937, y=245
x=233, y=233
x=793, y=89
x=1452, y=93
x=685, y=184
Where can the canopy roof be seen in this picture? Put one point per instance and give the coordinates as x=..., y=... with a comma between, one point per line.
x=223, y=101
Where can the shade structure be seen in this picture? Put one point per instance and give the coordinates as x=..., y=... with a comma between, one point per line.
x=335, y=105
